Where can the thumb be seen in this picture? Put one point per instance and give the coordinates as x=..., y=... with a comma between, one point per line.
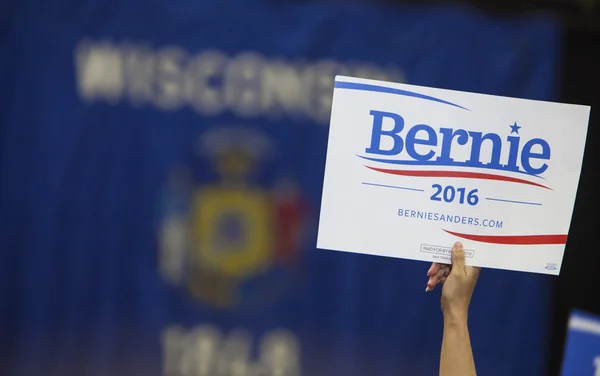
x=458, y=256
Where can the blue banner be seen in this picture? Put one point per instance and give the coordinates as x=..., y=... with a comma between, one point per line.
x=582, y=350
x=162, y=166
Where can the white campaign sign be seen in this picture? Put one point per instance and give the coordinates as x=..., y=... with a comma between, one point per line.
x=410, y=170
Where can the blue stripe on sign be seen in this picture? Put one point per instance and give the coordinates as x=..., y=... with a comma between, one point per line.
x=393, y=186
x=389, y=90
x=514, y=202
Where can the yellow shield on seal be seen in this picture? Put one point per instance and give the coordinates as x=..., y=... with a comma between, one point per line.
x=232, y=229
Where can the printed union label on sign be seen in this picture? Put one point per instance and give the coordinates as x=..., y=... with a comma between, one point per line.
x=410, y=170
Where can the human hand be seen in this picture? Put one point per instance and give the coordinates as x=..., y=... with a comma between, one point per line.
x=458, y=283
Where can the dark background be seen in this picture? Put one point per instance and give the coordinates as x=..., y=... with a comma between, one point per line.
x=579, y=283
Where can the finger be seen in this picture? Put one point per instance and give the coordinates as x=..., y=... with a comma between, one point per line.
x=441, y=273
x=434, y=280
x=447, y=270
x=458, y=256
x=433, y=269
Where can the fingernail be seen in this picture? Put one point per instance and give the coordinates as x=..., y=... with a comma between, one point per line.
x=427, y=289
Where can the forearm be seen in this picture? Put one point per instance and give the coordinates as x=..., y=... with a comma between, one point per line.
x=457, y=355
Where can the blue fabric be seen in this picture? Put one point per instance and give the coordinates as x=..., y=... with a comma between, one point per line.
x=87, y=163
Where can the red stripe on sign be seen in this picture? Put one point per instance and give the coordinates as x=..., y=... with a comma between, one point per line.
x=514, y=239
x=455, y=174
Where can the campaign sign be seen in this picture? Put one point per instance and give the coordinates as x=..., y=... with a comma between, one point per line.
x=582, y=351
x=410, y=170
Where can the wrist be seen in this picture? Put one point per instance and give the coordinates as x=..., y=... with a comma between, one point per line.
x=455, y=318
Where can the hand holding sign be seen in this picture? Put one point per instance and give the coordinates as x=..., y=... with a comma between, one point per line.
x=459, y=282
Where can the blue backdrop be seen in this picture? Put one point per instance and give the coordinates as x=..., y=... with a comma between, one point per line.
x=161, y=167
